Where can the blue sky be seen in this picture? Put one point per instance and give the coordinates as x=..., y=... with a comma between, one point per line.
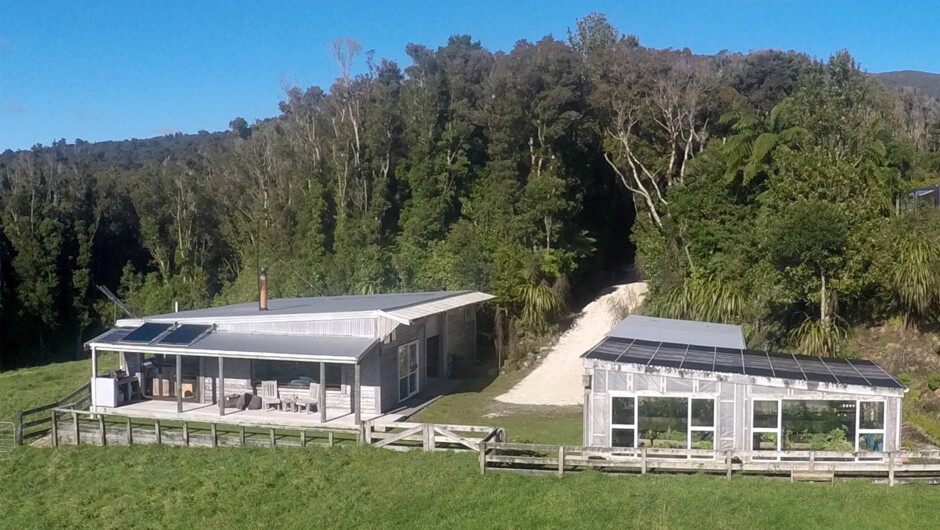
x=119, y=69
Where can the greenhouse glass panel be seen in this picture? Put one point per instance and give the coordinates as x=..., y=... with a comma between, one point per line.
x=703, y=412
x=872, y=415
x=818, y=425
x=663, y=422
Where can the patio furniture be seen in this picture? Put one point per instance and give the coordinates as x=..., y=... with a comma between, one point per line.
x=308, y=402
x=269, y=395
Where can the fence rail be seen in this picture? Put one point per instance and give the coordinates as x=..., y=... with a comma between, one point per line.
x=808, y=465
x=37, y=422
x=71, y=426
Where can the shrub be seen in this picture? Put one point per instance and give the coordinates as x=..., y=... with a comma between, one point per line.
x=933, y=382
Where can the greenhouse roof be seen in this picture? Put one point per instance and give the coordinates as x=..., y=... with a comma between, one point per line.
x=743, y=361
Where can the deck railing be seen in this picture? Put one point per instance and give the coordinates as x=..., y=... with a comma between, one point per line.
x=811, y=465
x=71, y=426
x=36, y=422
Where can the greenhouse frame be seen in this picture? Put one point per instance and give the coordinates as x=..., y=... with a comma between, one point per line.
x=692, y=385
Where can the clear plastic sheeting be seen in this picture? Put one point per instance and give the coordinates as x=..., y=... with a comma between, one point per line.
x=646, y=382
x=676, y=384
x=707, y=387
x=726, y=425
x=618, y=380
x=600, y=419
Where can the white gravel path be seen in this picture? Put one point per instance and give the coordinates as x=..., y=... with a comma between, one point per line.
x=557, y=380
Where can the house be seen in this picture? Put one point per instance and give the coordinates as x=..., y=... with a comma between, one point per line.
x=356, y=357
x=654, y=382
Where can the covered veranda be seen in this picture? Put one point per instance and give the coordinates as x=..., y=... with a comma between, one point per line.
x=204, y=396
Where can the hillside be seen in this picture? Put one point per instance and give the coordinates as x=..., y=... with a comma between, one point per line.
x=925, y=82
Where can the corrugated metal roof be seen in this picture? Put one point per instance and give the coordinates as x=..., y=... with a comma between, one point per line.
x=679, y=331
x=252, y=346
x=413, y=312
x=293, y=308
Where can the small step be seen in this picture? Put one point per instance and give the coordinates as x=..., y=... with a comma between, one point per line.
x=806, y=475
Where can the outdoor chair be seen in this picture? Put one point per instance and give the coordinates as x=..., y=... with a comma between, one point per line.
x=269, y=395
x=308, y=402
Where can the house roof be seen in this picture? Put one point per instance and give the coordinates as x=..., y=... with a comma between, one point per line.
x=829, y=370
x=679, y=331
x=399, y=306
x=309, y=348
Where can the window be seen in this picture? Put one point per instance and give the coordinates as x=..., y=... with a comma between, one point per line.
x=407, y=370
x=623, y=422
x=871, y=426
x=702, y=424
x=817, y=425
x=766, y=426
x=665, y=422
x=297, y=374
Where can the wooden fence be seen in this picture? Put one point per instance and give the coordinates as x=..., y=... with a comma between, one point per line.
x=892, y=467
x=37, y=422
x=70, y=426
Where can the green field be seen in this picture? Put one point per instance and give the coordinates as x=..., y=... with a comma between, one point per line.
x=31, y=387
x=365, y=487
x=174, y=487
x=474, y=404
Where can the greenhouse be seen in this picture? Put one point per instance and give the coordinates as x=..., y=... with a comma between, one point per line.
x=692, y=385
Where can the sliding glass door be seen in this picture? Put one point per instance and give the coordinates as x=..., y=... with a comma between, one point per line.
x=407, y=370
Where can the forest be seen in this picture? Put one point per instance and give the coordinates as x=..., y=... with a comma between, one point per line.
x=768, y=189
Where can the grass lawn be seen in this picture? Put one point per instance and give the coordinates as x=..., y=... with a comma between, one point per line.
x=30, y=387
x=475, y=404
x=365, y=487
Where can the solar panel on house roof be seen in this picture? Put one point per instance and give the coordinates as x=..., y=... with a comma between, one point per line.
x=183, y=335
x=146, y=333
x=747, y=362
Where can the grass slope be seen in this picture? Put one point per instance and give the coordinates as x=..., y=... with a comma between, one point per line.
x=364, y=487
x=475, y=404
x=30, y=387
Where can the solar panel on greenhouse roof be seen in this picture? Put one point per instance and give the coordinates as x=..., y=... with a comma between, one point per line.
x=759, y=363
x=146, y=333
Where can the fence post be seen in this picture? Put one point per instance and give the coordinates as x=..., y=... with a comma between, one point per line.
x=643, y=461
x=273, y=441
x=728, y=463
x=55, y=429
x=891, y=469
x=104, y=433
x=303, y=437
x=329, y=438
x=812, y=460
x=366, y=433
x=186, y=433
x=18, y=430
x=129, y=430
x=215, y=435
x=241, y=435
x=78, y=433
x=428, y=437
x=482, y=458
x=561, y=460
x=156, y=430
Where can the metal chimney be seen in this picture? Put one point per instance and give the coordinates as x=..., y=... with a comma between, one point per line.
x=262, y=290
